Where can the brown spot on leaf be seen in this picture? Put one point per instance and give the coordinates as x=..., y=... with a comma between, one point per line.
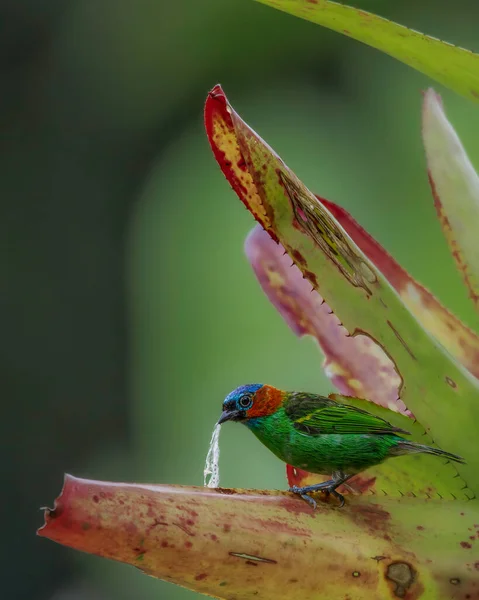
x=228, y=491
x=201, y=576
x=311, y=277
x=298, y=257
x=402, y=575
x=466, y=545
x=451, y=382
x=369, y=515
x=361, y=484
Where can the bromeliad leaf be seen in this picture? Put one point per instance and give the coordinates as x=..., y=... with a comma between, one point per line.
x=458, y=339
x=455, y=187
x=232, y=543
x=441, y=394
x=454, y=67
x=357, y=367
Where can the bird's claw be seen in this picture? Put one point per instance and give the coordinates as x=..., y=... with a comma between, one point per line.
x=339, y=496
x=301, y=491
x=311, y=501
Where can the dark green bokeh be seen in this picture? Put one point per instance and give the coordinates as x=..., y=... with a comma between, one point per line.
x=129, y=308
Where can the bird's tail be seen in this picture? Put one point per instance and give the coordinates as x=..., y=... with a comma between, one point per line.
x=406, y=447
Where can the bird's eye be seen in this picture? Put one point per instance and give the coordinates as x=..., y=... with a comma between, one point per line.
x=246, y=401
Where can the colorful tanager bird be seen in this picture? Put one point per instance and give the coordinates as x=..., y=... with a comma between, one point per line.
x=319, y=434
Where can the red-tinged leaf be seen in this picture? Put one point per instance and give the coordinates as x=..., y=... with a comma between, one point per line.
x=356, y=365
x=433, y=386
x=241, y=544
x=455, y=187
x=459, y=340
x=220, y=131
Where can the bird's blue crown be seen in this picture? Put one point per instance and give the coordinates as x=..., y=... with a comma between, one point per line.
x=250, y=388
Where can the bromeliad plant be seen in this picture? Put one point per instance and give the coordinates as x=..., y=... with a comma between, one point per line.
x=410, y=528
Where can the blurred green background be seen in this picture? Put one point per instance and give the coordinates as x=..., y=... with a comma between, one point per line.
x=129, y=308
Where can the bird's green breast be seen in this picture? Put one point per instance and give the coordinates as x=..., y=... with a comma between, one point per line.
x=323, y=454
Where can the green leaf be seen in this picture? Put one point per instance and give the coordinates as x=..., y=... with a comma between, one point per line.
x=454, y=67
x=443, y=396
x=244, y=544
x=357, y=367
x=457, y=338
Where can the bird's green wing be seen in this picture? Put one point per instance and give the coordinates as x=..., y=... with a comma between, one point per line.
x=316, y=415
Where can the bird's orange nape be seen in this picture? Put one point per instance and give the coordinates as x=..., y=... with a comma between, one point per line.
x=267, y=400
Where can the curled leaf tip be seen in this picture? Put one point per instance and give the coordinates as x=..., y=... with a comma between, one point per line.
x=220, y=123
x=216, y=93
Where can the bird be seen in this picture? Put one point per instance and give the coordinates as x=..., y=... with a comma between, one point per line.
x=320, y=434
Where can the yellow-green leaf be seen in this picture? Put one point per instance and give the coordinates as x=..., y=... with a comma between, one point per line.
x=245, y=544
x=454, y=67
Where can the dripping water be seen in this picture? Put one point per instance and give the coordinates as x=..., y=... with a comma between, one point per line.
x=212, y=468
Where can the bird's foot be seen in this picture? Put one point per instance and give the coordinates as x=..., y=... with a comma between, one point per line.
x=327, y=487
x=311, y=501
x=339, y=496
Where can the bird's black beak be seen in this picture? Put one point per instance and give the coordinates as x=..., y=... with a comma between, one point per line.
x=229, y=415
